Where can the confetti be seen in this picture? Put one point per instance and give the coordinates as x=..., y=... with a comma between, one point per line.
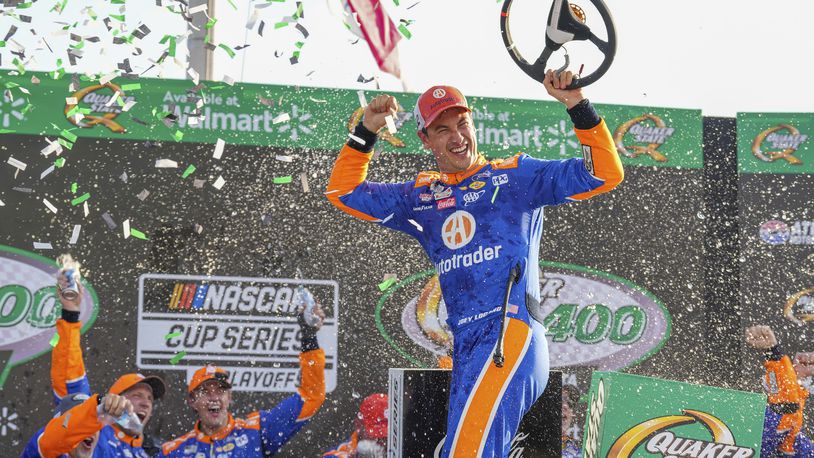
x=284, y=117
x=189, y=171
x=49, y=205
x=178, y=357
x=174, y=334
x=219, y=146
x=2, y=204
x=75, y=234
x=127, y=106
x=47, y=171
x=383, y=286
x=362, y=99
x=109, y=221
x=107, y=78
x=304, y=181
x=497, y=188
x=197, y=9
x=219, y=182
x=126, y=228
x=74, y=187
x=391, y=126
x=178, y=135
x=80, y=199
x=131, y=87
x=142, y=196
x=68, y=135
x=196, y=78
x=71, y=101
x=123, y=177
x=302, y=30
x=362, y=79
x=43, y=246
x=138, y=234
x=60, y=162
x=417, y=226
x=54, y=341
x=403, y=29
x=198, y=183
x=15, y=163
x=282, y=180
x=228, y=80
x=24, y=190
x=165, y=164
x=86, y=209
x=284, y=158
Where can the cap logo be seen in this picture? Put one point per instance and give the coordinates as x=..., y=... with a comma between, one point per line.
x=210, y=369
x=438, y=93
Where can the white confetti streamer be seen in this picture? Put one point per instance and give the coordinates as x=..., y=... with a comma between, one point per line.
x=49, y=205
x=71, y=101
x=284, y=158
x=75, y=234
x=197, y=9
x=52, y=146
x=304, y=181
x=196, y=78
x=219, y=183
x=219, y=145
x=362, y=99
x=166, y=164
x=126, y=228
x=43, y=246
x=86, y=208
x=391, y=125
x=15, y=163
x=107, y=78
x=47, y=172
x=281, y=118
x=228, y=80
x=127, y=106
x=112, y=99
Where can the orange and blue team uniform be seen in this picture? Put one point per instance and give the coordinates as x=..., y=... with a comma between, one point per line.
x=68, y=377
x=784, y=414
x=475, y=227
x=346, y=449
x=261, y=433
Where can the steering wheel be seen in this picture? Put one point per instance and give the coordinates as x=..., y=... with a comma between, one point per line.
x=565, y=23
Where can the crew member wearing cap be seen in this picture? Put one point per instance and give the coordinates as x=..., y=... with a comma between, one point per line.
x=478, y=221
x=68, y=379
x=369, y=438
x=570, y=444
x=263, y=433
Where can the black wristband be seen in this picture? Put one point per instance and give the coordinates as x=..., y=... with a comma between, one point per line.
x=773, y=354
x=584, y=115
x=70, y=316
x=309, y=343
x=369, y=138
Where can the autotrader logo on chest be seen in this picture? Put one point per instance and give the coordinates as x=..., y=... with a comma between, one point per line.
x=458, y=230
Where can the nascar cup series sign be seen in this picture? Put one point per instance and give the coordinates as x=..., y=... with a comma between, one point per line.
x=247, y=326
x=29, y=307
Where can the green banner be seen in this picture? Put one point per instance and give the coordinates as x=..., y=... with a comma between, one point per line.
x=635, y=416
x=775, y=142
x=303, y=117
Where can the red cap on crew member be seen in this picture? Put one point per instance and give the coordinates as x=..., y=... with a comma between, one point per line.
x=373, y=416
x=434, y=101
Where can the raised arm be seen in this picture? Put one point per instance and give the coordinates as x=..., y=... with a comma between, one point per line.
x=67, y=365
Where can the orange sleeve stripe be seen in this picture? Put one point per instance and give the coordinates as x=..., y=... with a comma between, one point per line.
x=66, y=357
x=785, y=379
x=63, y=433
x=606, y=163
x=312, y=386
x=475, y=422
x=169, y=447
x=350, y=170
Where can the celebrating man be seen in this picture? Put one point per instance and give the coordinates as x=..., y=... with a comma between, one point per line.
x=480, y=223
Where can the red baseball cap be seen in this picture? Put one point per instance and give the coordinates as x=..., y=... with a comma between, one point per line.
x=127, y=381
x=209, y=372
x=373, y=416
x=434, y=101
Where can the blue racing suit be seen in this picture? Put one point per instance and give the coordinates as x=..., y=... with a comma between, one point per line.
x=475, y=227
x=782, y=436
x=260, y=433
x=64, y=432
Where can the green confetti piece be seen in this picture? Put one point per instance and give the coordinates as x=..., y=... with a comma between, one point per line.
x=298, y=14
x=65, y=143
x=59, y=162
x=72, y=112
x=80, y=199
x=280, y=25
x=27, y=108
x=131, y=87
x=190, y=169
x=173, y=334
x=119, y=101
x=54, y=341
x=233, y=4
x=84, y=110
x=178, y=357
x=70, y=136
x=11, y=84
x=296, y=54
x=138, y=234
x=383, y=286
x=227, y=49
x=24, y=5
x=405, y=32
x=19, y=65
x=211, y=23
x=118, y=17
x=494, y=194
x=220, y=86
x=79, y=45
x=117, y=2
x=2, y=44
x=299, y=44
x=282, y=180
x=178, y=135
x=74, y=187
x=7, y=131
x=57, y=74
x=396, y=2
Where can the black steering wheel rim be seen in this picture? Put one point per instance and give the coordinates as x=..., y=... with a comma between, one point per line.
x=537, y=69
